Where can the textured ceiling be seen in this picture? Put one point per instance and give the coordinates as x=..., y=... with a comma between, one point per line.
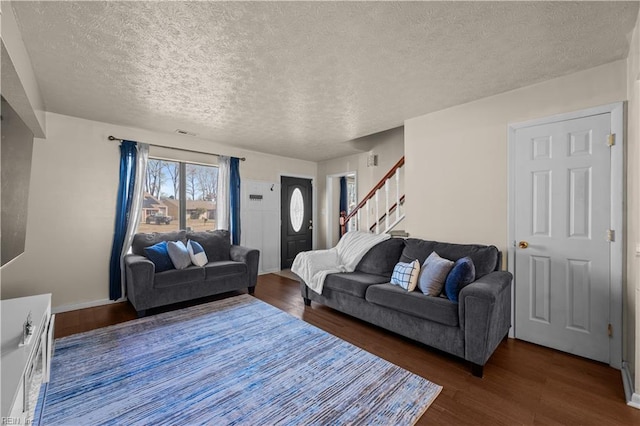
x=301, y=79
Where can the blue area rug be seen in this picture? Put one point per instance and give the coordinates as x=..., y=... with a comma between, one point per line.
x=234, y=361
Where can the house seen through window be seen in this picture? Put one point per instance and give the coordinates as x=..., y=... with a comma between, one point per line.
x=179, y=195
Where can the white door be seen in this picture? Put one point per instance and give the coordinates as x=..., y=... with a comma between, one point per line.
x=562, y=217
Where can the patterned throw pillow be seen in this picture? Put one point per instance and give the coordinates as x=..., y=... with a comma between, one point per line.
x=434, y=272
x=196, y=253
x=159, y=255
x=178, y=254
x=405, y=275
x=462, y=274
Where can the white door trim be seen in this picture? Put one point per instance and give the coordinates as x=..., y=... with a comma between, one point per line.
x=617, y=223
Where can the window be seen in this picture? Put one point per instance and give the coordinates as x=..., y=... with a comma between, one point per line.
x=179, y=195
x=296, y=210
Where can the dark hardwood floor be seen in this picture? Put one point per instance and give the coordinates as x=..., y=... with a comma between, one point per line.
x=523, y=383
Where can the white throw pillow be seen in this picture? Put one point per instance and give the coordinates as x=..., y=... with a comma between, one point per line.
x=405, y=275
x=178, y=254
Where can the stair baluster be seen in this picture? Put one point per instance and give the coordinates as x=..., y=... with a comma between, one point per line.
x=384, y=222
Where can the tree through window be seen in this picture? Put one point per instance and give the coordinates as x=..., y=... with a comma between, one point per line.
x=166, y=184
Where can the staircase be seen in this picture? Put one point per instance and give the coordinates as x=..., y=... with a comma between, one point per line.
x=382, y=209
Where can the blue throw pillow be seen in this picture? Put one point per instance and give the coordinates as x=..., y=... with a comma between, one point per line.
x=463, y=273
x=159, y=255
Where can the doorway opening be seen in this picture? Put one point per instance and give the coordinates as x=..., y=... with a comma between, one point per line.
x=342, y=195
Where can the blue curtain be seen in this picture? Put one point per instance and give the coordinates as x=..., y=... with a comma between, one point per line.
x=234, y=200
x=128, y=154
x=343, y=194
x=343, y=199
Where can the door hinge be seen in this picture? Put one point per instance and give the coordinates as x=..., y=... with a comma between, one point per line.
x=611, y=235
x=610, y=330
x=611, y=139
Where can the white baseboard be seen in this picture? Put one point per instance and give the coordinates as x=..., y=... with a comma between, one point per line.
x=269, y=271
x=84, y=305
x=635, y=401
x=633, y=398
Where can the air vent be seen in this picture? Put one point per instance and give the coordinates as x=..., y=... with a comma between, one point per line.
x=184, y=132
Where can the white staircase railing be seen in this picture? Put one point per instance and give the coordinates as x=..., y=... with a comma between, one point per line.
x=392, y=210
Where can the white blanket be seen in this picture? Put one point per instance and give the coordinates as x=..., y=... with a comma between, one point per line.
x=314, y=266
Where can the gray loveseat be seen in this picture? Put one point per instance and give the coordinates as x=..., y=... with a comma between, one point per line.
x=229, y=267
x=470, y=329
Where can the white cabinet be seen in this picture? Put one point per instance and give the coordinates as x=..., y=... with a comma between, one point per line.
x=25, y=365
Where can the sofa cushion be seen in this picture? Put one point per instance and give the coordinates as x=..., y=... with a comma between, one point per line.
x=382, y=257
x=353, y=283
x=216, y=244
x=437, y=309
x=178, y=254
x=485, y=258
x=462, y=274
x=159, y=255
x=433, y=275
x=405, y=275
x=142, y=240
x=223, y=268
x=176, y=277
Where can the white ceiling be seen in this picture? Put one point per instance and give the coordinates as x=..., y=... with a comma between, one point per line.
x=301, y=79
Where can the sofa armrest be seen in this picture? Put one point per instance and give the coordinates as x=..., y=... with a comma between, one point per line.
x=485, y=314
x=139, y=279
x=249, y=256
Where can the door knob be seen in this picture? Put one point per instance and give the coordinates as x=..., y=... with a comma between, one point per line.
x=523, y=244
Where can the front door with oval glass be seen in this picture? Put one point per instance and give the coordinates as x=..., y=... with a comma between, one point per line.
x=297, y=220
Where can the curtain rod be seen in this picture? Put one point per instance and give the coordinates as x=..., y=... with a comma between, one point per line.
x=113, y=138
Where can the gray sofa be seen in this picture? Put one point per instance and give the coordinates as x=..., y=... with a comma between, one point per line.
x=470, y=329
x=229, y=267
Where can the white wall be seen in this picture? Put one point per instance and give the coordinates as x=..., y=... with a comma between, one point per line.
x=631, y=347
x=74, y=181
x=456, y=159
x=260, y=221
x=388, y=145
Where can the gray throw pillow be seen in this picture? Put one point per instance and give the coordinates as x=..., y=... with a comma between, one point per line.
x=178, y=254
x=216, y=244
x=433, y=274
x=142, y=240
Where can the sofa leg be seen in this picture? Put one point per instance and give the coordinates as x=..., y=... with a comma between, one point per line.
x=477, y=370
x=252, y=289
x=141, y=313
x=307, y=302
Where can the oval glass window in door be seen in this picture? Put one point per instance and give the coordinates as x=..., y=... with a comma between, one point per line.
x=296, y=210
